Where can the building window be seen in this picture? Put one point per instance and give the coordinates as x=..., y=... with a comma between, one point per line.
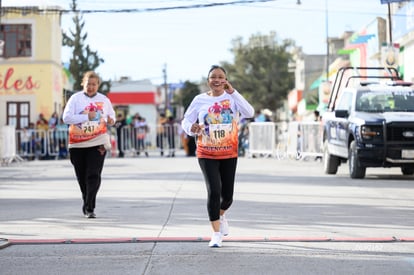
x=18, y=114
x=17, y=39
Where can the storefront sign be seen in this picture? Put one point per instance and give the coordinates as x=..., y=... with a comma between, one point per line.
x=10, y=83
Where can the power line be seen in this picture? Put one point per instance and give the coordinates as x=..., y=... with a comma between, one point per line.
x=136, y=10
x=250, y=3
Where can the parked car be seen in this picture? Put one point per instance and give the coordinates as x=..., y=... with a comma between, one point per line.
x=369, y=122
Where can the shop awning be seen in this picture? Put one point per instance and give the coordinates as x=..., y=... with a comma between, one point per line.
x=132, y=98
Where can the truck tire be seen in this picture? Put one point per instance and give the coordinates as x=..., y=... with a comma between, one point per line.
x=356, y=171
x=330, y=162
x=407, y=170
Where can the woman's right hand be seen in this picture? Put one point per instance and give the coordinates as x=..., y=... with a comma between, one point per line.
x=197, y=128
x=91, y=115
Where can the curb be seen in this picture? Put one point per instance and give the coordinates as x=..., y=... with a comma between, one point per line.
x=5, y=243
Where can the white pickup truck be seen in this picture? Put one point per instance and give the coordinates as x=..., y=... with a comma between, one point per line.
x=369, y=121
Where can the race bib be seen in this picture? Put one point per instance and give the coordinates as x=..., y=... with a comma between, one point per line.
x=219, y=131
x=90, y=127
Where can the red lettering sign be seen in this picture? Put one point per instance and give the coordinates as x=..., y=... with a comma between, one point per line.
x=9, y=82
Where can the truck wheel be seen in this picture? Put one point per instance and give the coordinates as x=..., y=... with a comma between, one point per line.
x=407, y=170
x=356, y=171
x=330, y=163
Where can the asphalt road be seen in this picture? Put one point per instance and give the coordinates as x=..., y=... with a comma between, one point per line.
x=287, y=218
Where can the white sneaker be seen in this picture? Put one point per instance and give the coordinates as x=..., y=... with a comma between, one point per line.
x=215, y=240
x=224, y=226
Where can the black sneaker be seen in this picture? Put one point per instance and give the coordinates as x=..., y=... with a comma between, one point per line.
x=90, y=215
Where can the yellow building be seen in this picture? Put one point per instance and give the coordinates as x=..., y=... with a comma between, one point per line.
x=31, y=74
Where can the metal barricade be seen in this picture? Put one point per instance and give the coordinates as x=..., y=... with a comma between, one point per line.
x=34, y=144
x=8, y=152
x=42, y=144
x=294, y=140
x=133, y=141
x=303, y=140
x=310, y=138
x=162, y=139
x=262, y=139
x=300, y=140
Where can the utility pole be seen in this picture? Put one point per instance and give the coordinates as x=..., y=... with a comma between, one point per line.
x=327, y=40
x=164, y=71
x=389, y=23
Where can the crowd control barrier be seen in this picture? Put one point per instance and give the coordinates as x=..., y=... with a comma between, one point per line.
x=304, y=140
x=32, y=144
x=262, y=139
x=310, y=136
x=163, y=139
x=8, y=145
x=295, y=140
x=298, y=140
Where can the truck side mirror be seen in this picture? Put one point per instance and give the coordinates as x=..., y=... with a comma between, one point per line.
x=341, y=113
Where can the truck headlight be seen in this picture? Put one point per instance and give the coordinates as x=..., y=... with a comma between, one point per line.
x=368, y=132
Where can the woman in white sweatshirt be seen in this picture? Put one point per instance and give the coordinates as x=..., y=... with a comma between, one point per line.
x=213, y=117
x=88, y=113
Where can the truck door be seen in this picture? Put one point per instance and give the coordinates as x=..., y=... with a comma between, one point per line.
x=342, y=111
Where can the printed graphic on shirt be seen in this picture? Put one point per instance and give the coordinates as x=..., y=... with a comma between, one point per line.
x=90, y=129
x=219, y=137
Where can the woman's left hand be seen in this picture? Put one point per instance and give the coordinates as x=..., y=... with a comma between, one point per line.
x=228, y=88
x=110, y=121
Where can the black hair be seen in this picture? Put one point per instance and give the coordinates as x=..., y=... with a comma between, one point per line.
x=216, y=67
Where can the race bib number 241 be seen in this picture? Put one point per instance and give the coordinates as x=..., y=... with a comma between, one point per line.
x=90, y=126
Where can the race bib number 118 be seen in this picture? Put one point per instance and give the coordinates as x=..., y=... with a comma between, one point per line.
x=219, y=131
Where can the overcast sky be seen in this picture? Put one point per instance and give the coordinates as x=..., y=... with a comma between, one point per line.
x=188, y=41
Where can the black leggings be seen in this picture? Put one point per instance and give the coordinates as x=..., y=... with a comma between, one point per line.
x=219, y=177
x=88, y=164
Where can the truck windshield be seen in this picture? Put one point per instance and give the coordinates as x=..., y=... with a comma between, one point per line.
x=385, y=101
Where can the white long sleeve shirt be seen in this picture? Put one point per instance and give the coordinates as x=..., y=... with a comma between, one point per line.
x=82, y=131
x=220, y=116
